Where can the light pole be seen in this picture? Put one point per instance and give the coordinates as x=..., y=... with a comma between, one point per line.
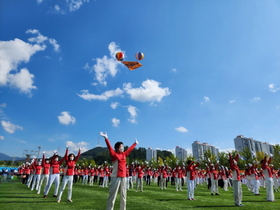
x=39, y=147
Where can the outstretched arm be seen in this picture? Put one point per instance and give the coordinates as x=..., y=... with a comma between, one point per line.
x=78, y=155
x=110, y=148
x=66, y=154
x=128, y=151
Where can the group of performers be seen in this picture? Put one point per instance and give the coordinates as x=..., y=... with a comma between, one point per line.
x=48, y=169
x=65, y=171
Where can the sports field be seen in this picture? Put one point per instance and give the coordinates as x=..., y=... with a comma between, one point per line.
x=14, y=195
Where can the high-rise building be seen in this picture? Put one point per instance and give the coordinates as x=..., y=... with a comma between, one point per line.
x=181, y=153
x=254, y=146
x=151, y=154
x=198, y=149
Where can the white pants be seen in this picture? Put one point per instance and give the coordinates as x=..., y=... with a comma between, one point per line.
x=269, y=188
x=237, y=192
x=105, y=181
x=117, y=184
x=162, y=183
x=66, y=180
x=214, y=186
x=85, y=179
x=179, y=184
x=276, y=183
x=43, y=177
x=225, y=184
x=30, y=178
x=139, y=183
x=256, y=184
x=190, y=189
x=129, y=182
x=91, y=181
x=53, y=178
x=36, y=181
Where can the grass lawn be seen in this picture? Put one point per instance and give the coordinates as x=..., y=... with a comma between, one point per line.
x=15, y=196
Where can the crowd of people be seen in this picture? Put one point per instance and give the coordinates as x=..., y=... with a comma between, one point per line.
x=121, y=176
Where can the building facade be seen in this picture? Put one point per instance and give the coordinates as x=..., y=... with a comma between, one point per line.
x=254, y=146
x=181, y=153
x=198, y=149
x=151, y=154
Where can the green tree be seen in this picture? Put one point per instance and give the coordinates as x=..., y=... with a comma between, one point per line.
x=172, y=161
x=246, y=155
x=223, y=159
x=276, y=156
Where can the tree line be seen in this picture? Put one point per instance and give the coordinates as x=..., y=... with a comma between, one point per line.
x=100, y=155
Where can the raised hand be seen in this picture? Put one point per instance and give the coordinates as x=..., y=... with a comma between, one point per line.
x=104, y=134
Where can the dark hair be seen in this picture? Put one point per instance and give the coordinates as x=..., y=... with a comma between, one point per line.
x=189, y=161
x=71, y=155
x=117, y=145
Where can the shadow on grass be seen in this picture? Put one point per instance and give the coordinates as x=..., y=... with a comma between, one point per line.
x=170, y=199
x=263, y=201
x=17, y=197
x=13, y=193
x=221, y=206
x=28, y=202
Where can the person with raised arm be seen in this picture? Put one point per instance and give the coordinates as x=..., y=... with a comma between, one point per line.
x=118, y=176
x=37, y=175
x=71, y=161
x=236, y=180
x=190, y=169
x=45, y=174
x=268, y=178
x=54, y=174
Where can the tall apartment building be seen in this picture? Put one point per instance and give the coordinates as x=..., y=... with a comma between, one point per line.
x=241, y=142
x=151, y=154
x=181, y=153
x=198, y=149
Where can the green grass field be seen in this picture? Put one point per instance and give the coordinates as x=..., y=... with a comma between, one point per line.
x=15, y=196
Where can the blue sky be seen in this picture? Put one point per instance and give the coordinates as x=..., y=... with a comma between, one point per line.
x=210, y=73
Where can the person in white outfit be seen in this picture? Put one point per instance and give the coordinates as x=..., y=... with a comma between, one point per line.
x=268, y=179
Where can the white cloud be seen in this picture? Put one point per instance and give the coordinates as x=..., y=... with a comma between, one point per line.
x=272, y=88
x=75, y=4
x=133, y=113
x=232, y=101
x=23, y=80
x=103, y=97
x=2, y=137
x=116, y=122
x=57, y=8
x=3, y=105
x=39, y=1
x=107, y=66
x=256, y=99
x=174, y=70
x=75, y=146
x=9, y=127
x=56, y=46
x=40, y=39
x=16, y=52
x=206, y=99
x=65, y=118
x=149, y=92
x=181, y=129
x=114, y=105
x=21, y=141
